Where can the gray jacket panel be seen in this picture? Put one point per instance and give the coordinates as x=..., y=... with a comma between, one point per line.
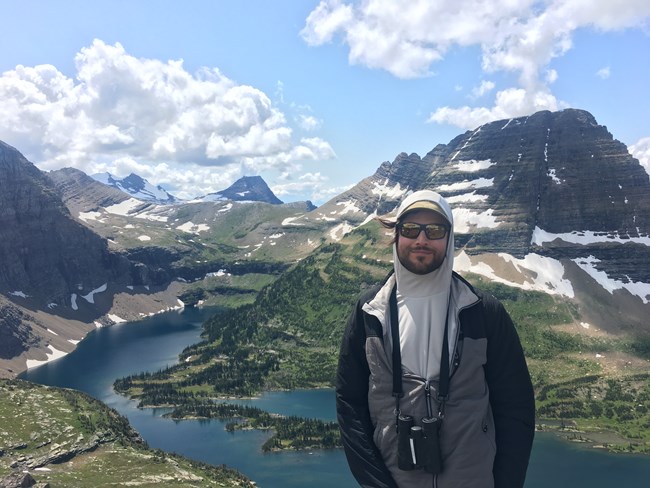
x=467, y=437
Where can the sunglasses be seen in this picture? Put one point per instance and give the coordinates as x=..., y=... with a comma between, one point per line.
x=433, y=232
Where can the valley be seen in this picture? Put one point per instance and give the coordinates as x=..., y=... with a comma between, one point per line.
x=591, y=383
x=569, y=265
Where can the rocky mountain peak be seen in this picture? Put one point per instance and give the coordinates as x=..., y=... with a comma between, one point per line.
x=380, y=193
x=246, y=189
x=560, y=172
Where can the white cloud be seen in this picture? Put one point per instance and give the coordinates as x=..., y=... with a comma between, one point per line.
x=641, y=151
x=122, y=114
x=306, y=183
x=405, y=38
x=483, y=88
x=510, y=103
x=325, y=20
x=308, y=122
x=604, y=73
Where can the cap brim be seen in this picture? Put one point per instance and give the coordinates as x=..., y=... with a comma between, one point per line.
x=422, y=205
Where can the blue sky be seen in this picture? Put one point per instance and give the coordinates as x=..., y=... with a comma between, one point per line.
x=311, y=95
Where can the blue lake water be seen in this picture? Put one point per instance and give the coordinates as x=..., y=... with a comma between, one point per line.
x=154, y=343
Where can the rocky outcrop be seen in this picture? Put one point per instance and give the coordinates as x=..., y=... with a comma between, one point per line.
x=16, y=336
x=18, y=480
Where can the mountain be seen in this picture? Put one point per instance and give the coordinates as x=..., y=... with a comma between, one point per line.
x=549, y=202
x=43, y=251
x=550, y=189
x=137, y=187
x=550, y=214
x=58, y=278
x=245, y=189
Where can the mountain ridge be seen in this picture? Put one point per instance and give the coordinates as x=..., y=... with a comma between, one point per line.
x=137, y=187
x=523, y=216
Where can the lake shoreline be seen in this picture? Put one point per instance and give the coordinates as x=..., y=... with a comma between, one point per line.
x=602, y=439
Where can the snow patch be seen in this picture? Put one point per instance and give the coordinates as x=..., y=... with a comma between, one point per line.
x=90, y=297
x=546, y=274
x=340, y=230
x=638, y=288
x=290, y=220
x=383, y=190
x=18, y=294
x=551, y=174
x=116, y=319
x=144, y=238
x=586, y=237
x=51, y=356
x=349, y=206
x=221, y=272
x=467, y=185
x=466, y=219
x=326, y=219
x=86, y=216
x=192, y=228
x=473, y=165
x=466, y=197
x=124, y=208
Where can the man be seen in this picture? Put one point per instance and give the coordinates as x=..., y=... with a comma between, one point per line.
x=458, y=409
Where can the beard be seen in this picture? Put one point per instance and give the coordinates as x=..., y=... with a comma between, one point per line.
x=420, y=264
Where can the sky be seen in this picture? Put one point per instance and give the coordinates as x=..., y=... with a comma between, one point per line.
x=311, y=95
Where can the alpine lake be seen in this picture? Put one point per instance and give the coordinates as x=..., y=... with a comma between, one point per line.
x=155, y=342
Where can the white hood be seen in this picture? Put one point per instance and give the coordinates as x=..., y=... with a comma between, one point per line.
x=422, y=300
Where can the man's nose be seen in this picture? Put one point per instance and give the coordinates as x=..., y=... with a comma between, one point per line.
x=422, y=237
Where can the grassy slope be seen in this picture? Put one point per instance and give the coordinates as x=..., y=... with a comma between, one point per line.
x=92, y=444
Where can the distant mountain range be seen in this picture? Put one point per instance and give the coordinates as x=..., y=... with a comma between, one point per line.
x=137, y=187
x=245, y=189
x=550, y=202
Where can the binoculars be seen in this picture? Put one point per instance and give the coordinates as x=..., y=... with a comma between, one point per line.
x=419, y=447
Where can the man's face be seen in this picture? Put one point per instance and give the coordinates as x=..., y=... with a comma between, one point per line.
x=422, y=255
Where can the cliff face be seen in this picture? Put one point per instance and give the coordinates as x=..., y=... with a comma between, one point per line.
x=15, y=335
x=44, y=253
x=555, y=183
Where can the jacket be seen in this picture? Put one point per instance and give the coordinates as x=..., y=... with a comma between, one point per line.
x=487, y=432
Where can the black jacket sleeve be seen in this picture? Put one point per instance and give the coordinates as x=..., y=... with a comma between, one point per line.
x=353, y=414
x=511, y=397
